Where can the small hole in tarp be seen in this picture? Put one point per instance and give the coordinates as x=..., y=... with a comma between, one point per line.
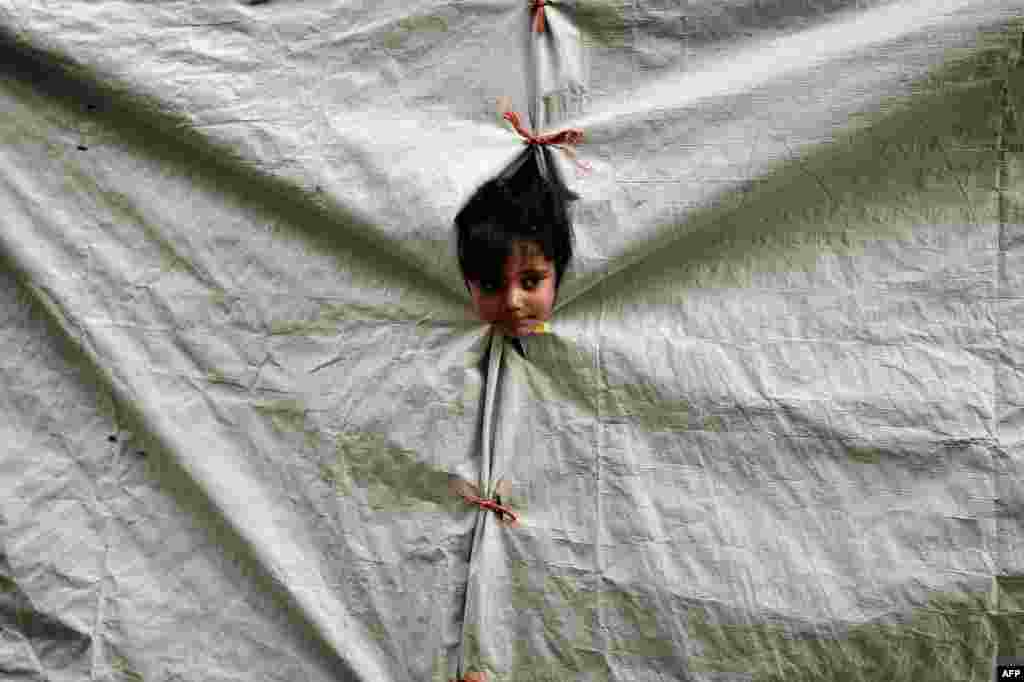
x=112, y=438
x=91, y=107
x=141, y=453
x=82, y=147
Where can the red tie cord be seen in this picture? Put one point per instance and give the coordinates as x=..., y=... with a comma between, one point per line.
x=569, y=136
x=537, y=6
x=492, y=505
x=473, y=677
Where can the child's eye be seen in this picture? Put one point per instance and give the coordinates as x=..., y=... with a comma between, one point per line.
x=489, y=286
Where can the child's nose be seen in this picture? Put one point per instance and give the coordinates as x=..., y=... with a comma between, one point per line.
x=516, y=297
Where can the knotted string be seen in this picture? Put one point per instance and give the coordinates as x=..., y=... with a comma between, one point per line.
x=559, y=140
x=537, y=6
x=490, y=504
x=472, y=677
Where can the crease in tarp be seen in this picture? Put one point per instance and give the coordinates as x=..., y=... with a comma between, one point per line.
x=799, y=166
x=28, y=256
x=52, y=641
x=537, y=146
x=487, y=465
x=156, y=131
x=484, y=478
x=762, y=64
x=730, y=223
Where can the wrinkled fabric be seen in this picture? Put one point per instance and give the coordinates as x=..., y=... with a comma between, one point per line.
x=773, y=431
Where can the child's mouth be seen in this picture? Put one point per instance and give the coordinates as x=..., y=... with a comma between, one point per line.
x=522, y=327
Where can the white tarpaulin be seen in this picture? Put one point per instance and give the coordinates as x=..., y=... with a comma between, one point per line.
x=775, y=433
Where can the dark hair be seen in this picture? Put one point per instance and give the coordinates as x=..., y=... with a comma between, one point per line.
x=526, y=202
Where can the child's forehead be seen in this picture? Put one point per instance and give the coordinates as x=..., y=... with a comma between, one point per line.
x=526, y=254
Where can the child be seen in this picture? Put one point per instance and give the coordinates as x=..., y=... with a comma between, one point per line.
x=514, y=239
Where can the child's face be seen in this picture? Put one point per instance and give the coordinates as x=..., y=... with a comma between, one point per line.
x=524, y=297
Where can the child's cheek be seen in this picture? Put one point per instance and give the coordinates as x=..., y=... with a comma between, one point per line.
x=486, y=308
x=546, y=300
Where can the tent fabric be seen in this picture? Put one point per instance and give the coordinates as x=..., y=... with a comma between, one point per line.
x=774, y=433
